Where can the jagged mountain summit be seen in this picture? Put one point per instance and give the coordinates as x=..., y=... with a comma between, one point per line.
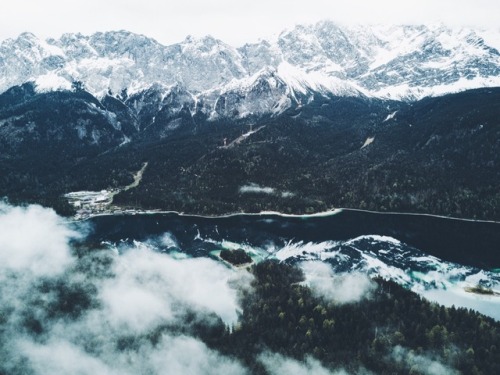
x=397, y=62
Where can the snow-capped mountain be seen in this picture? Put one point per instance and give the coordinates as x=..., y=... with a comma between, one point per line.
x=398, y=62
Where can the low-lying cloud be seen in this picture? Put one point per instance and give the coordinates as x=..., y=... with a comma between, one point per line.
x=129, y=311
x=277, y=364
x=33, y=240
x=96, y=313
x=253, y=188
x=422, y=364
x=256, y=189
x=172, y=355
x=341, y=288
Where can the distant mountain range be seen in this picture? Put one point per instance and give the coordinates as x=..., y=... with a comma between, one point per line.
x=402, y=118
x=397, y=62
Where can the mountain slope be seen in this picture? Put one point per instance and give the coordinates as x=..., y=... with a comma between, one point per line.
x=301, y=123
x=437, y=156
x=398, y=62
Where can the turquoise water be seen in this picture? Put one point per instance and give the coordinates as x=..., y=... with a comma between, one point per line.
x=436, y=257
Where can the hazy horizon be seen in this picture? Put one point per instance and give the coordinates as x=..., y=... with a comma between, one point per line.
x=234, y=23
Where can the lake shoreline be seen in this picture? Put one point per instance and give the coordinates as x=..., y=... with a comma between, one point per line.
x=332, y=212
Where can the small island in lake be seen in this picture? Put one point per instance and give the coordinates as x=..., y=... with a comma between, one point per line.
x=479, y=289
x=236, y=257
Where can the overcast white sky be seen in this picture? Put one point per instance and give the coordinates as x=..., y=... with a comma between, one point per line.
x=234, y=21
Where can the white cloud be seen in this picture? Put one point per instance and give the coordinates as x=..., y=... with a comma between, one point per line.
x=256, y=189
x=253, y=188
x=147, y=286
x=424, y=364
x=62, y=357
x=33, y=239
x=172, y=355
x=343, y=288
x=277, y=364
x=134, y=307
x=96, y=314
x=185, y=355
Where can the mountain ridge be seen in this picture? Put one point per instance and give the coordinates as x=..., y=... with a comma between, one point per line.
x=389, y=62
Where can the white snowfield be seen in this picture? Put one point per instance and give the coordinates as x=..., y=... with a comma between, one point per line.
x=396, y=62
x=441, y=281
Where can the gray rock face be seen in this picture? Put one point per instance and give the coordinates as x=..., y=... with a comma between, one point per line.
x=205, y=74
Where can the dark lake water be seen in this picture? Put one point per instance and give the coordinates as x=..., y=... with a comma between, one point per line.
x=472, y=243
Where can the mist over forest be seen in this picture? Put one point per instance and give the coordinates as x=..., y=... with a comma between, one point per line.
x=70, y=308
